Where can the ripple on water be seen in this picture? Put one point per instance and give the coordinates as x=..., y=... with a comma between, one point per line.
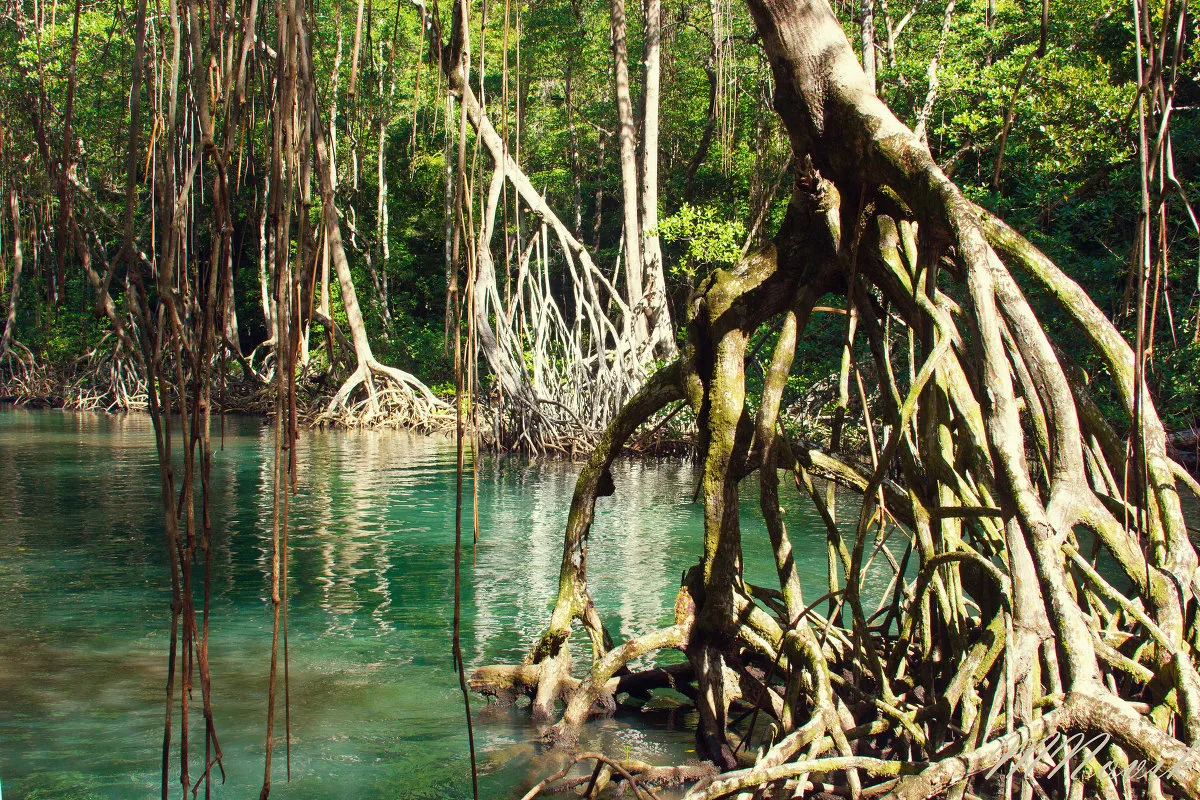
x=375, y=703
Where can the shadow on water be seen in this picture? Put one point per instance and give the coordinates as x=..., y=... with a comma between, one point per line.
x=375, y=706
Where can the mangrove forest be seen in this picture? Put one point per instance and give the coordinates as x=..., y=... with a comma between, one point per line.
x=531, y=398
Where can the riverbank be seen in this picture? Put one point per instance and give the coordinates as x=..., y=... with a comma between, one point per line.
x=670, y=433
x=117, y=389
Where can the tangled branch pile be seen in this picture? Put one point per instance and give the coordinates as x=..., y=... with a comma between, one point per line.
x=1047, y=583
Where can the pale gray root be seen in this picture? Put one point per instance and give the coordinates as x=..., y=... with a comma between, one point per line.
x=399, y=396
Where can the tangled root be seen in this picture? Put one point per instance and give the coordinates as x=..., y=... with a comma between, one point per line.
x=1038, y=580
x=388, y=397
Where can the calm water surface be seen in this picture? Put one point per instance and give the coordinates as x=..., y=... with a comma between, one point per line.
x=376, y=712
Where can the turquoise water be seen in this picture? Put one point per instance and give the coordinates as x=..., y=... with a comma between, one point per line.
x=376, y=711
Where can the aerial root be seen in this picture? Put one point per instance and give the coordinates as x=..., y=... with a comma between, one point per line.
x=506, y=684
x=994, y=626
x=388, y=397
x=646, y=775
x=595, y=688
x=106, y=378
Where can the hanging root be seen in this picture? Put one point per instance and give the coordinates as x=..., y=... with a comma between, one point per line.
x=1011, y=609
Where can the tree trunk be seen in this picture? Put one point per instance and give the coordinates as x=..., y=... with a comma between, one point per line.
x=422, y=401
x=601, y=148
x=658, y=312
x=710, y=127
x=868, y=41
x=576, y=167
x=627, y=139
x=14, y=286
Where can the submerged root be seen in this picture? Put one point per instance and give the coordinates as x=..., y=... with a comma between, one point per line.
x=1018, y=570
x=637, y=777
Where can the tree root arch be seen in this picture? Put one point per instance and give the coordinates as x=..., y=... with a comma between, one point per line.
x=1011, y=502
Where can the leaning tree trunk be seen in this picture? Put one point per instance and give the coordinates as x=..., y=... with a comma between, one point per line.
x=586, y=359
x=1047, y=580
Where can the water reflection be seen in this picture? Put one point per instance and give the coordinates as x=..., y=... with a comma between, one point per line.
x=83, y=604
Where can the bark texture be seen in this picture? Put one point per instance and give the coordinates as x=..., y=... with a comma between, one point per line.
x=1012, y=575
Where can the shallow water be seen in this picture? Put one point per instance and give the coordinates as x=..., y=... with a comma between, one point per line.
x=375, y=708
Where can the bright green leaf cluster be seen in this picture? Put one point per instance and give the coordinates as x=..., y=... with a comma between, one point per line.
x=711, y=240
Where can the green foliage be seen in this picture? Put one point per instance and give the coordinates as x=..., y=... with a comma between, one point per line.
x=710, y=241
x=1179, y=384
x=1068, y=180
